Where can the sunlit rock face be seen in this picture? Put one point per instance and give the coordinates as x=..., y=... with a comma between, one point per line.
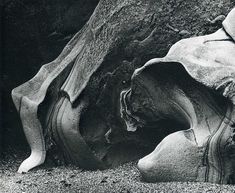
x=84, y=108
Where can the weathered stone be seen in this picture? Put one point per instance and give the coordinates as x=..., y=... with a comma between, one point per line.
x=193, y=84
x=73, y=103
x=34, y=32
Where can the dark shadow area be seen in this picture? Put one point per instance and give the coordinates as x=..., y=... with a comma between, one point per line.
x=34, y=32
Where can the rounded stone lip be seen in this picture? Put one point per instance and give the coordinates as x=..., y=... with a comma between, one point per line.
x=211, y=65
x=229, y=24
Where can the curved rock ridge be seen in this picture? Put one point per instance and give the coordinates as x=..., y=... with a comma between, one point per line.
x=101, y=55
x=79, y=105
x=193, y=84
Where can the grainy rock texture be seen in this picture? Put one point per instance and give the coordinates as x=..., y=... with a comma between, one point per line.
x=193, y=84
x=61, y=179
x=34, y=34
x=73, y=102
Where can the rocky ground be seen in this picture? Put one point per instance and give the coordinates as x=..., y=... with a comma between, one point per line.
x=51, y=178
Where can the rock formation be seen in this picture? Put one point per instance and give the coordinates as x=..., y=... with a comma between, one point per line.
x=34, y=33
x=193, y=84
x=85, y=108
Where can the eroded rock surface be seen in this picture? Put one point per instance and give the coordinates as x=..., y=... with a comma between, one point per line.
x=194, y=85
x=71, y=108
x=33, y=33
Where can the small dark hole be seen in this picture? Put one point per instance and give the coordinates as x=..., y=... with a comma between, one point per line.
x=233, y=137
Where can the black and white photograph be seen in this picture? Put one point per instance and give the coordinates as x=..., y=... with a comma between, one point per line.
x=117, y=96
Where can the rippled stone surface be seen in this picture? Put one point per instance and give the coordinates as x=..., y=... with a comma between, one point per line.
x=194, y=85
x=78, y=108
